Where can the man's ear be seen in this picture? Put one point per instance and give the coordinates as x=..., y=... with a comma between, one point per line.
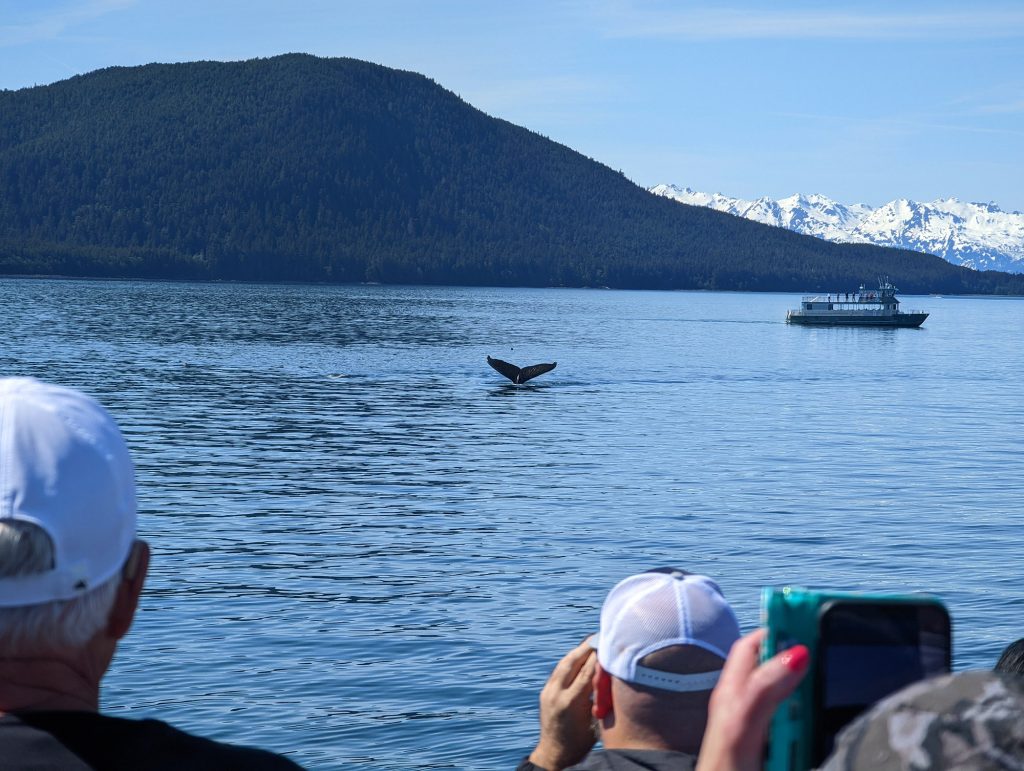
x=602, y=682
x=127, y=599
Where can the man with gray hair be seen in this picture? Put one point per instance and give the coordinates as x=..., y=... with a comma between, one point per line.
x=71, y=573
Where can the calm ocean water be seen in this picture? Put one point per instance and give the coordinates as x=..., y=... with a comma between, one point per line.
x=369, y=549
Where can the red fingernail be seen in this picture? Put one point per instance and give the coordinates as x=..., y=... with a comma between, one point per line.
x=796, y=658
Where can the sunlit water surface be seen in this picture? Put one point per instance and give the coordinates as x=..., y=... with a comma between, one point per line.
x=370, y=549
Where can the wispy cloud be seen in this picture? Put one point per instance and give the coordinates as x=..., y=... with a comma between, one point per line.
x=627, y=19
x=1012, y=107
x=992, y=99
x=53, y=24
x=899, y=125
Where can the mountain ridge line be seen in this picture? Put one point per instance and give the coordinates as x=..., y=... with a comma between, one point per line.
x=299, y=168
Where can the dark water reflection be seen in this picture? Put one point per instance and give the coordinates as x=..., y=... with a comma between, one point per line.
x=369, y=549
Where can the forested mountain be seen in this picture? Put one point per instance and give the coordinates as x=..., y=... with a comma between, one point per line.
x=302, y=168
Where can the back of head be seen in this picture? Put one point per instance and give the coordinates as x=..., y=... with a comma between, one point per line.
x=67, y=515
x=971, y=720
x=1011, y=662
x=664, y=637
x=679, y=715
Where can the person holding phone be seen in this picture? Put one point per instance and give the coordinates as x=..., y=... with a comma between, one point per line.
x=969, y=720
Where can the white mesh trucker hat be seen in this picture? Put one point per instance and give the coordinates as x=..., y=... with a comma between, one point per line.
x=654, y=610
x=64, y=466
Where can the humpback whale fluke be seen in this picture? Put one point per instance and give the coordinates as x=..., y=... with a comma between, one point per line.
x=516, y=375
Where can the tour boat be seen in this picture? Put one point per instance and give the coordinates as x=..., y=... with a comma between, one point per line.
x=865, y=307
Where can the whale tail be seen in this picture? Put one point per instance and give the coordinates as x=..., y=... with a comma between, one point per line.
x=517, y=375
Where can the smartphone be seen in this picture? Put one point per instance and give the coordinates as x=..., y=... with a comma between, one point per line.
x=863, y=647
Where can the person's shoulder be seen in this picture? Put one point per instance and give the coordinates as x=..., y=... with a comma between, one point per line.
x=24, y=747
x=107, y=742
x=637, y=760
x=189, y=747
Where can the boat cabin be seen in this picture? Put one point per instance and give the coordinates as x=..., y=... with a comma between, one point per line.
x=882, y=299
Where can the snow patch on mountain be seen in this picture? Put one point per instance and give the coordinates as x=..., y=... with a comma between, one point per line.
x=976, y=235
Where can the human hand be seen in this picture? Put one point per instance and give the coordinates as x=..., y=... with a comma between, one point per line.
x=566, y=731
x=744, y=701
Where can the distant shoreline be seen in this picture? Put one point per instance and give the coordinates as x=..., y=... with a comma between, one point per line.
x=248, y=282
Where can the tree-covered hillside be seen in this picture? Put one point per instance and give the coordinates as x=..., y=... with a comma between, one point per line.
x=301, y=168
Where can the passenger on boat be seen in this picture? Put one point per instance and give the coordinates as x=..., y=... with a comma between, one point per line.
x=647, y=685
x=71, y=574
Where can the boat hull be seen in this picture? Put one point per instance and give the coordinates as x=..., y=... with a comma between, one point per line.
x=905, y=320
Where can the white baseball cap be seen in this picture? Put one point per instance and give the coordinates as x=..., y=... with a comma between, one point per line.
x=655, y=610
x=64, y=467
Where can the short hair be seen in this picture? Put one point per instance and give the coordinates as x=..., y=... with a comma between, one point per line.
x=1012, y=660
x=677, y=715
x=682, y=659
x=26, y=549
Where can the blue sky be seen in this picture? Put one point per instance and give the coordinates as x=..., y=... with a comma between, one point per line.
x=863, y=102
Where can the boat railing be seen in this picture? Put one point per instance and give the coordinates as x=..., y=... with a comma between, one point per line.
x=860, y=310
x=842, y=297
x=828, y=312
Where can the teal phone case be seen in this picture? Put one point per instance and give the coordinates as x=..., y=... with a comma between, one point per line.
x=791, y=615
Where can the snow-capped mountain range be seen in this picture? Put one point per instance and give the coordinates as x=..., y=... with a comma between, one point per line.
x=977, y=235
